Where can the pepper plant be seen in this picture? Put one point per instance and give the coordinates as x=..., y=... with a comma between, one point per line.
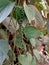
x=24, y=32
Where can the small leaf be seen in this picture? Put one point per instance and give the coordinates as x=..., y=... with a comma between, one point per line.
x=19, y=14
x=31, y=32
x=27, y=59
x=35, y=42
x=19, y=42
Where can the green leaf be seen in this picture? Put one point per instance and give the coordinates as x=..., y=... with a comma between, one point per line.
x=19, y=42
x=32, y=12
x=27, y=59
x=4, y=48
x=19, y=14
x=6, y=10
x=31, y=32
x=33, y=42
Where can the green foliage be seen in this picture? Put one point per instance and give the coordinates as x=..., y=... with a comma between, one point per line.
x=27, y=59
x=33, y=13
x=19, y=14
x=26, y=39
x=19, y=42
x=34, y=42
x=31, y=32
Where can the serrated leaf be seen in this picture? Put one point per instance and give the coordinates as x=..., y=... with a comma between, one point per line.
x=4, y=47
x=32, y=12
x=6, y=11
x=27, y=59
x=31, y=32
